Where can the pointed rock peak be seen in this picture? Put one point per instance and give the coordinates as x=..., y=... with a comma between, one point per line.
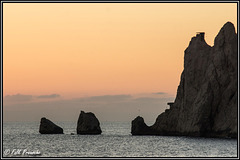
x=197, y=42
x=229, y=26
x=200, y=35
x=226, y=34
x=82, y=112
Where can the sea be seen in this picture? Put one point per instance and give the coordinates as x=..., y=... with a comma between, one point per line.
x=22, y=139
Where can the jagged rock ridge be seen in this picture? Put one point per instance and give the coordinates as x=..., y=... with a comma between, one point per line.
x=206, y=101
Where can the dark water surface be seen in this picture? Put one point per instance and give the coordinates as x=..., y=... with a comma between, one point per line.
x=115, y=141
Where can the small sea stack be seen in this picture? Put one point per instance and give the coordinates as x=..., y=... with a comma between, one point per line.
x=88, y=124
x=140, y=128
x=48, y=127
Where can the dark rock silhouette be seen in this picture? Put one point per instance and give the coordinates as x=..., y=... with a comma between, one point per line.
x=48, y=127
x=88, y=124
x=140, y=128
x=206, y=101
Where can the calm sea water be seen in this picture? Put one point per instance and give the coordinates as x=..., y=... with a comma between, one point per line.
x=116, y=140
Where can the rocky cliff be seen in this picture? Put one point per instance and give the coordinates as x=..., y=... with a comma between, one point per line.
x=206, y=101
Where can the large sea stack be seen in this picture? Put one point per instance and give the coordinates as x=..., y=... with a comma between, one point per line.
x=206, y=101
x=48, y=127
x=88, y=124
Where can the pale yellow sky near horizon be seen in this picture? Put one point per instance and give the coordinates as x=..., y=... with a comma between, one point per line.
x=90, y=49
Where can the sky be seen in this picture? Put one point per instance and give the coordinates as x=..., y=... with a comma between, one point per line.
x=118, y=60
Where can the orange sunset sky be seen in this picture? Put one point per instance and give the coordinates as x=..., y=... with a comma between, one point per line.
x=86, y=49
x=57, y=54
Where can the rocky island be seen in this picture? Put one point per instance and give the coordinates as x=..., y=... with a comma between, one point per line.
x=88, y=124
x=206, y=100
x=48, y=127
